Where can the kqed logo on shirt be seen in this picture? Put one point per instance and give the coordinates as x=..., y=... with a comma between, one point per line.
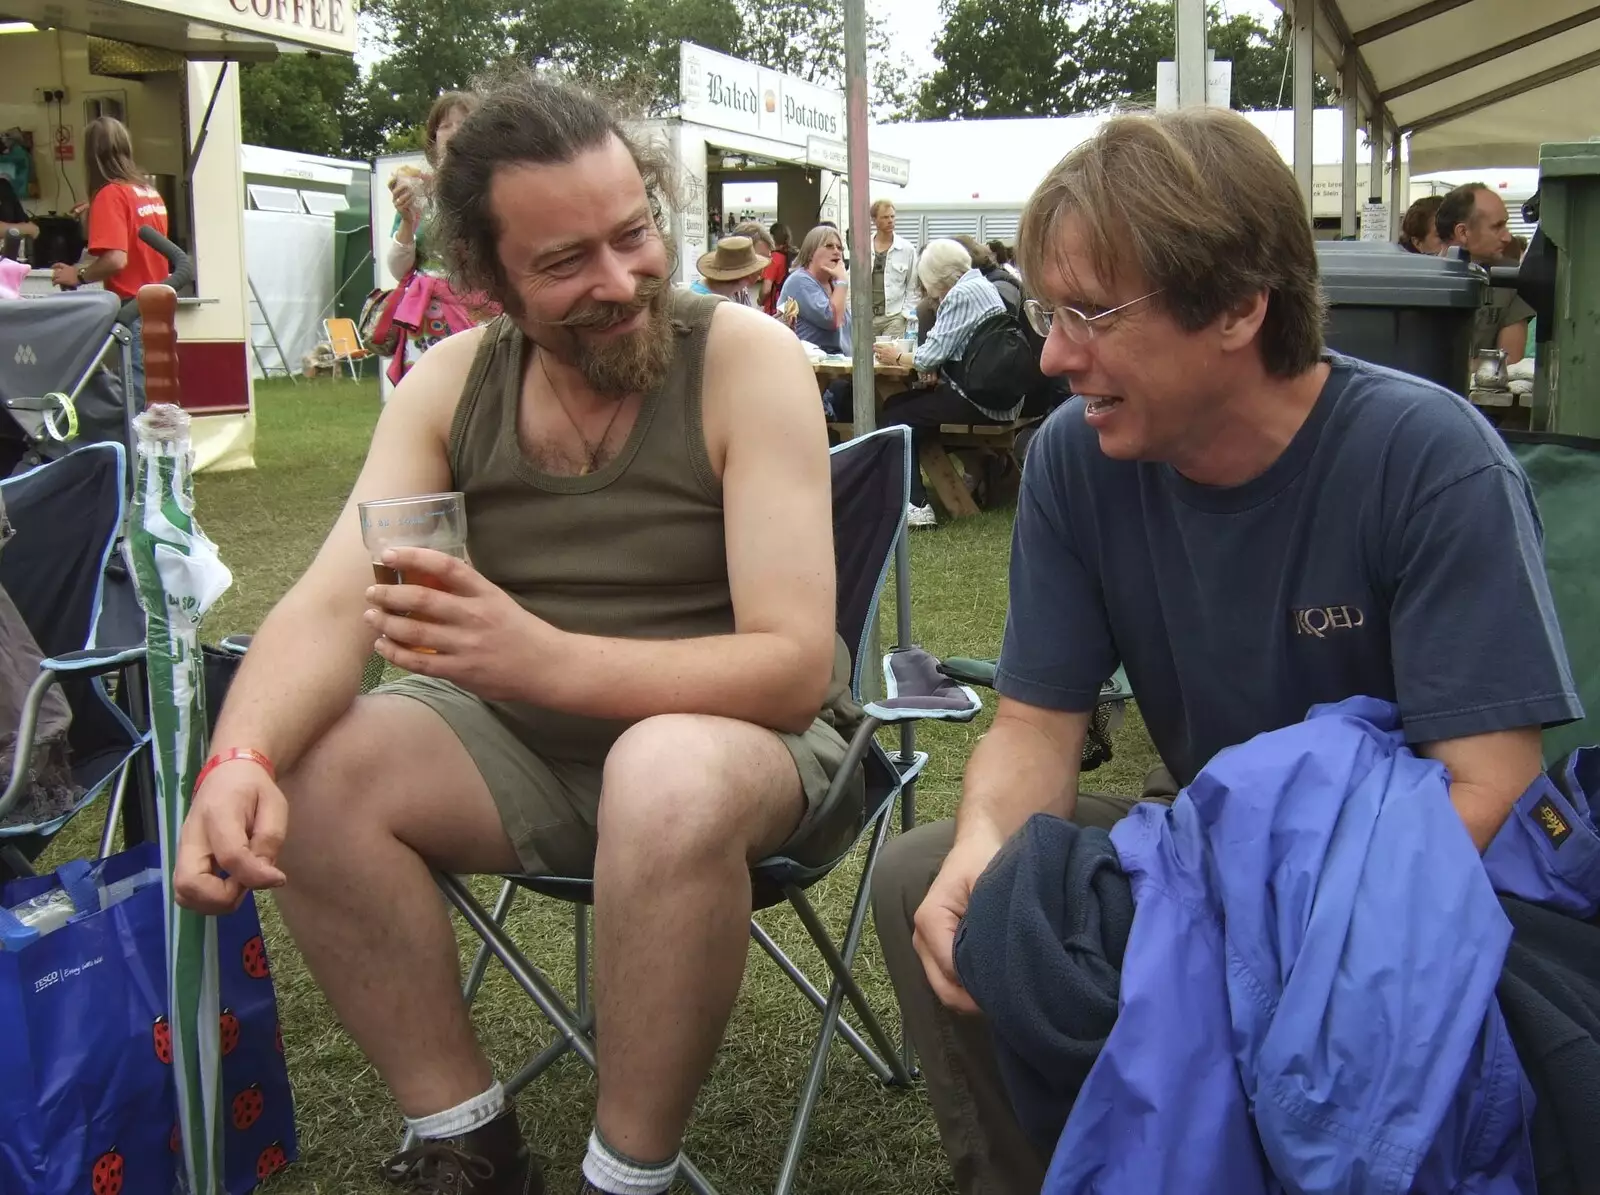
x=1322, y=621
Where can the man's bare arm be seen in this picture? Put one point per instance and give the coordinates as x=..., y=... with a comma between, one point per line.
x=1513, y=341
x=1027, y=763
x=303, y=669
x=764, y=418
x=1488, y=773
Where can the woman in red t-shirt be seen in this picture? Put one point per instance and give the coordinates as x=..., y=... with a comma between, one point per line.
x=777, y=269
x=121, y=201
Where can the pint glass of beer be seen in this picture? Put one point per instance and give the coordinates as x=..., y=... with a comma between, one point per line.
x=437, y=521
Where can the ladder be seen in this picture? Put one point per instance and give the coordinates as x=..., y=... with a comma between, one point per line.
x=260, y=319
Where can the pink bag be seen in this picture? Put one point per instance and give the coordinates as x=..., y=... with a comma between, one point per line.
x=11, y=275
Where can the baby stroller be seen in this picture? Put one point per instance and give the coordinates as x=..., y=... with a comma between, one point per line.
x=64, y=367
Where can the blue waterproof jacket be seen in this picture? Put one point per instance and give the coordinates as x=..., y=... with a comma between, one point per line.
x=1308, y=992
x=1548, y=852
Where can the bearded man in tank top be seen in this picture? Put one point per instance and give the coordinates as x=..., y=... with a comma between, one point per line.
x=636, y=677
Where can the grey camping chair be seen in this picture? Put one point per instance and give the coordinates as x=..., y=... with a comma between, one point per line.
x=58, y=570
x=871, y=486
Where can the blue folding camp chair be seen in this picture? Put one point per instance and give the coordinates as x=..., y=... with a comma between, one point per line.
x=58, y=569
x=871, y=490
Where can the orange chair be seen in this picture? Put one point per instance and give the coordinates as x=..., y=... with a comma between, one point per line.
x=345, y=342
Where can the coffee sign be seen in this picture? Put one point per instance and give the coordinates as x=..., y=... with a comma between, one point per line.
x=728, y=93
x=315, y=24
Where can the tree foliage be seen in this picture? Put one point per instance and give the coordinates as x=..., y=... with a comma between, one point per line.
x=1063, y=57
x=629, y=47
x=297, y=102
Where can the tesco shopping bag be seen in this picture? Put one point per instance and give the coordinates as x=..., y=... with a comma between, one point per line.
x=87, y=1105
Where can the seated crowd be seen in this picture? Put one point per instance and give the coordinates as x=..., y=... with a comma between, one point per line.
x=636, y=677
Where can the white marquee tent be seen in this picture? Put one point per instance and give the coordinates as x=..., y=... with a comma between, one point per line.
x=291, y=199
x=1475, y=83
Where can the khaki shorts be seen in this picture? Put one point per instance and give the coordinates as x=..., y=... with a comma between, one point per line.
x=549, y=806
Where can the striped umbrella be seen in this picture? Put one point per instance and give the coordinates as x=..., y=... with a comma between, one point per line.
x=179, y=576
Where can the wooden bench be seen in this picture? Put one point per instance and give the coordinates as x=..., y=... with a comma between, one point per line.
x=984, y=440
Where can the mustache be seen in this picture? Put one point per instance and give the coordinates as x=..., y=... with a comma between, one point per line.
x=608, y=315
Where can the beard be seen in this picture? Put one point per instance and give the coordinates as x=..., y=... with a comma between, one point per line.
x=633, y=363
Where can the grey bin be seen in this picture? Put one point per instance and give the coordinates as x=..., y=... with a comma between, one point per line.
x=1404, y=310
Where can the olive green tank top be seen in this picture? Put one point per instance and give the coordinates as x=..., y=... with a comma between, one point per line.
x=635, y=549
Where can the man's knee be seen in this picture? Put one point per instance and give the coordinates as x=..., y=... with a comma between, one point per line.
x=328, y=781
x=355, y=778
x=677, y=784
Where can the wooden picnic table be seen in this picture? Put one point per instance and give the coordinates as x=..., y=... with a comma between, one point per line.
x=934, y=459
x=888, y=380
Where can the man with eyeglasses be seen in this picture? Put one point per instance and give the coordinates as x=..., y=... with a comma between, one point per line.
x=1248, y=524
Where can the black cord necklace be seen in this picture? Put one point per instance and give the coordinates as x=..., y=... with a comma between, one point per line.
x=591, y=451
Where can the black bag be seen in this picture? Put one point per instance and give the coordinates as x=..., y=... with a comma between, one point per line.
x=999, y=368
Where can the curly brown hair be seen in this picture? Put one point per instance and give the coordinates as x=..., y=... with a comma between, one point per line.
x=527, y=118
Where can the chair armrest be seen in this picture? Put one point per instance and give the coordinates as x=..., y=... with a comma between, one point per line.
x=967, y=671
x=915, y=689
x=94, y=661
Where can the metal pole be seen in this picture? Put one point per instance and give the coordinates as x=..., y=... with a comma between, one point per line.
x=1305, y=99
x=1190, y=52
x=1348, y=84
x=1396, y=186
x=865, y=412
x=1375, y=147
x=864, y=389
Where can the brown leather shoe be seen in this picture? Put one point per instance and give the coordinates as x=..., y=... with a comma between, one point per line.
x=490, y=1160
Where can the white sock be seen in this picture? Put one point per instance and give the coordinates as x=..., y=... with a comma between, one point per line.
x=463, y=1118
x=618, y=1175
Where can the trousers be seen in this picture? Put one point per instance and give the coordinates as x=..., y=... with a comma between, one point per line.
x=987, y=1149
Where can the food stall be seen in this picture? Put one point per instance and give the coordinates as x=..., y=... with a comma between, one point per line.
x=168, y=70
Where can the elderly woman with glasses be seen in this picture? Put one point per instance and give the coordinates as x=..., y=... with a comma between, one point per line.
x=965, y=299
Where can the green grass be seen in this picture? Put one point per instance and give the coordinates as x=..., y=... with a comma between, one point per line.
x=864, y=1138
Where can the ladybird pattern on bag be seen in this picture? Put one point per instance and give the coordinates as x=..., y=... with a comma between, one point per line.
x=257, y=1109
x=255, y=958
x=106, y=1177
x=109, y=1038
x=272, y=1160
x=161, y=1040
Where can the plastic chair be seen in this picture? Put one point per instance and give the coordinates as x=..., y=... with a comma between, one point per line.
x=871, y=488
x=345, y=343
x=66, y=517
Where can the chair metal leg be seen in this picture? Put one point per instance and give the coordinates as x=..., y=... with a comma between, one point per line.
x=543, y=1061
x=529, y=978
x=114, y=812
x=809, y=990
x=908, y=821
x=575, y=1030
x=480, y=961
x=580, y=938
x=839, y=963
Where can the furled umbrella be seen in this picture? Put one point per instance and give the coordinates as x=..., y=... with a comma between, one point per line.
x=179, y=576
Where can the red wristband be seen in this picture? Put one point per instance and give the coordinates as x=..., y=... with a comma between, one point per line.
x=228, y=756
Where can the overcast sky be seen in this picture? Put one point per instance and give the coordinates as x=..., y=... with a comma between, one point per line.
x=907, y=17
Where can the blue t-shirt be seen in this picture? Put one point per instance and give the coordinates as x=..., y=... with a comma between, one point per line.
x=1393, y=550
x=815, y=324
